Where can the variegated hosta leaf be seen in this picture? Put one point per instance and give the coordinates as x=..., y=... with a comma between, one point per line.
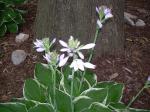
x=82, y=102
x=91, y=77
x=97, y=107
x=115, y=93
x=97, y=94
x=12, y=107
x=117, y=107
x=33, y=91
x=104, y=84
x=44, y=75
x=42, y=107
x=28, y=103
x=137, y=110
x=63, y=101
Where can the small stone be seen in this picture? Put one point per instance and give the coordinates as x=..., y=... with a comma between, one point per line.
x=129, y=18
x=140, y=23
x=18, y=56
x=21, y=38
x=113, y=76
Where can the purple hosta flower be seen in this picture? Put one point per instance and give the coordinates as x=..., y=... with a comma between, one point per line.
x=107, y=13
x=39, y=45
x=51, y=57
x=148, y=82
x=148, y=79
x=47, y=57
x=78, y=64
x=104, y=13
x=44, y=44
x=73, y=47
x=63, y=60
x=97, y=10
x=53, y=41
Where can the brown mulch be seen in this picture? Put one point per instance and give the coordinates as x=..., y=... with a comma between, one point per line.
x=132, y=69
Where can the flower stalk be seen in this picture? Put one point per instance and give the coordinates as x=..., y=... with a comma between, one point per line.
x=89, y=59
x=139, y=93
x=72, y=89
x=54, y=86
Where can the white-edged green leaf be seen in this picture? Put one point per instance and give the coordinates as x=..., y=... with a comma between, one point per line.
x=12, y=107
x=97, y=94
x=9, y=15
x=82, y=102
x=43, y=74
x=98, y=107
x=19, y=19
x=43, y=107
x=91, y=77
x=27, y=103
x=115, y=93
x=63, y=101
x=137, y=110
x=117, y=107
x=104, y=84
x=33, y=91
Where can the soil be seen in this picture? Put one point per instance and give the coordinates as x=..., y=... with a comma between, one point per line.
x=132, y=68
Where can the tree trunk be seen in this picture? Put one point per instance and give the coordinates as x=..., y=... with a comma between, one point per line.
x=62, y=18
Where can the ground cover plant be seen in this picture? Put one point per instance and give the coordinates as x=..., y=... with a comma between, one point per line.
x=49, y=91
x=10, y=16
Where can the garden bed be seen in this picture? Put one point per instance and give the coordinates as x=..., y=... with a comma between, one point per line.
x=132, y=69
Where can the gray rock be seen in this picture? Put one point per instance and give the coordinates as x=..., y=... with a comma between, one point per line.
x=140, y=23
x=18, y=56
x=133, y=20
x=21, y=37
x=129, y=18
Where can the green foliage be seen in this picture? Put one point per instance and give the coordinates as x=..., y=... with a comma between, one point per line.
x=33, y=91
x=10, y=16
x=13, y=107
x=39, y=97
x=43, y=107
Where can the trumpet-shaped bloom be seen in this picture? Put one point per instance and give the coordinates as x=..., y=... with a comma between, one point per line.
x=107, y=13
x=39, y=45
x=44, y=44
x=63, y=60
x=73, y=47
x=78, y=64
x=104, y=13
x=47, y=57
x=51, y=57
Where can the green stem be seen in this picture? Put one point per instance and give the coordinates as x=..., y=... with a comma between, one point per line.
x=90, y=58
x=54, y=86
x=134, y=98
x=95, y=39
x=72, y=86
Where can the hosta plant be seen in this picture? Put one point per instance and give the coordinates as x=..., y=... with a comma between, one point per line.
x=66, y=83
x=10, y=16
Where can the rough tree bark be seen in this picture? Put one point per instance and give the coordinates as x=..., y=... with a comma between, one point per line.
x=62, y=18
